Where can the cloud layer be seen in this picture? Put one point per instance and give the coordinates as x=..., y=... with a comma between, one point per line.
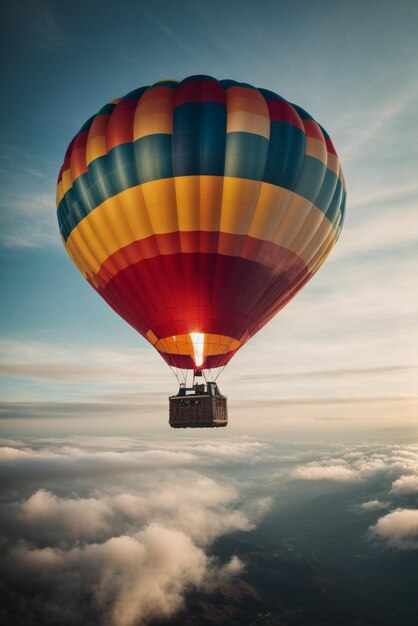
x=399, y=527
x=362, y=462
x=121, y=554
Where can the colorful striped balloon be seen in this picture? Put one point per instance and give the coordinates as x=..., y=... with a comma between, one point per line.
x=198, y=209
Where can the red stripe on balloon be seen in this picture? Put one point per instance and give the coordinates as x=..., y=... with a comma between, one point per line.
x=330, y=146
x=204, y=90
x=263, y=252
x=78, y=163
x=312, y=129
x=121, y=124
x=67, y=158
x=282, y=111
x=197, y=292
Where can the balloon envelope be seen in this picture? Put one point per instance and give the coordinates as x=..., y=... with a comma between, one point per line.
x=198, y=209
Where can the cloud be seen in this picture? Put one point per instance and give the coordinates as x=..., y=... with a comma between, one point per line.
x=406, y=484
x=69, y=363
x=45, y=513
x=28, y=219
x=68, y=373
x=28, y=465
x=125, y=557
x=194, y=504
x=53, y=410
x=378, y=230
x=337, y=473
x=374, y=505
x=369, y=124
x=126, y=580
x=361, y=463
x=399, y=528
x=334, y=373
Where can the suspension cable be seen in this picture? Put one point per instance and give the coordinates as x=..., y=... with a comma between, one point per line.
x=219, y=373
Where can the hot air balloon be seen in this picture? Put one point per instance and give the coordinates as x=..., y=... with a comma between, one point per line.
x=197, y=210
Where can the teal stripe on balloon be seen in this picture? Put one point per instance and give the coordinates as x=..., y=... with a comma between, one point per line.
x=245, y=155
x=280, y=161
x=286, y=152
x=154, y=157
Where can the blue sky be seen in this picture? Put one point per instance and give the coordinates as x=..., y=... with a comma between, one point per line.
x=65, y=355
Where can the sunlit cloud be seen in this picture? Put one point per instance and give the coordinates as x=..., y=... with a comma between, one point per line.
x=70, y=363
x=128, y=580
x=374, y=505
x=361, y=464
x=406, y=484
x=399, y=528
x=26, y=465
x=128, y=552
x=337, y=473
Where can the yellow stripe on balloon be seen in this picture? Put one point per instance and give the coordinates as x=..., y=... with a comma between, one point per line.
x=96, y=147
x=239, y=202
x=239, y=206
x=333, y=164
x=247, y=111
x=67, y=181
x=60, y=192
x=154, y=113
x=182, y=344
x=271, y=208
x=317, y=149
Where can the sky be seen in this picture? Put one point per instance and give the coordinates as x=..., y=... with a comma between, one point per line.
x=111, y=518
x=68, y=363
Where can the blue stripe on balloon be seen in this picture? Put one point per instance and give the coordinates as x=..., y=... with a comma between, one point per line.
x=199, y=139
x=334, y=209
x=122, y=167
x=201, y=146
x=311, y=178
x=285, y=155
x=154, y=157
x=246, y=155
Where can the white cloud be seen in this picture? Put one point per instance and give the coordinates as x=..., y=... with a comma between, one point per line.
x=406, y=484
x=316, y=471
x=75, y=362
x=374, y=505
x=361, y=463
x=29, y=221
x=129, y=580
x=79, y=460
x=194, y=504
x=399, y=528
x=131, y=555
x=81, y=518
